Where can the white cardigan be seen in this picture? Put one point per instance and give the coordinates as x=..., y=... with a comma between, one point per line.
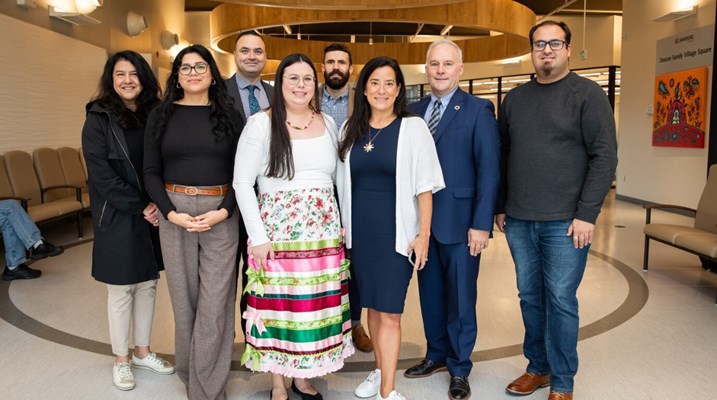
x=314, y=167
x=417, y=170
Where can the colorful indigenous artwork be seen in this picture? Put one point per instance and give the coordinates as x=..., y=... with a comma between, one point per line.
x=680, y=109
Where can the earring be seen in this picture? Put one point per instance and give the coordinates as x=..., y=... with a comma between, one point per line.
x=178, y=86
x=214, y=82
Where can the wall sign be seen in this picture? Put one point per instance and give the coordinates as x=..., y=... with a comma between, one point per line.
x=685, y=50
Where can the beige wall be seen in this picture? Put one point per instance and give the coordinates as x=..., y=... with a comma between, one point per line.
x=656, y=174
x=47, y=80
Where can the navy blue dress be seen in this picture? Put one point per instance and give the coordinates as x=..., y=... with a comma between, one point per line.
x=381, y=273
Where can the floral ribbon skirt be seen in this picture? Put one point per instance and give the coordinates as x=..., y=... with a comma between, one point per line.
x=298, y=318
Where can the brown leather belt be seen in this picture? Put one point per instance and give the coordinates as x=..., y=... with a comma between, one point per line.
x=198, y=190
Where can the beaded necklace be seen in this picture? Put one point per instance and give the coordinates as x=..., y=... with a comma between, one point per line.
x=299, y=128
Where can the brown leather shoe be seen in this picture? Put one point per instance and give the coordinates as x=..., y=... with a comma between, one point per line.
x=560, y=396
x=361, y=339
x=528, y=383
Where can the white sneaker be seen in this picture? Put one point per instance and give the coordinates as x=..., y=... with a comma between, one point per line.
x=369, y=387
x=394, y=395
x=154, y=363
x=122, y=376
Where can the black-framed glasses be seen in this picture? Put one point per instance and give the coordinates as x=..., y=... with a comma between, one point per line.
x=199, y=68
x=554, y=44
x=293, y=80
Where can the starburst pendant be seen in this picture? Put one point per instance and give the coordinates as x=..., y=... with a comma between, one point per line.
x=368, y=147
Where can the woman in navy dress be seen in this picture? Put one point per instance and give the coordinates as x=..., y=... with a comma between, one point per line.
x=388, y=173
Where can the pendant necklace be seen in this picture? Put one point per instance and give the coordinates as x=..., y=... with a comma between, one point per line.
x=299, y=128
x=368, y=147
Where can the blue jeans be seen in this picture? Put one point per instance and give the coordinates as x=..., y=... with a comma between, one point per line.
x=549, y=270
x=18, y=232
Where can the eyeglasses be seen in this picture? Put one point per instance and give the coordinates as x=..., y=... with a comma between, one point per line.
x=199, y=68
x=554, y=44
x=293, y=80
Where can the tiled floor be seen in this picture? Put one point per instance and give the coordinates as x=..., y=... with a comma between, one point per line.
x=644, y=335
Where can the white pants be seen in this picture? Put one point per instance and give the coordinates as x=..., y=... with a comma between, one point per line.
x=127, y=303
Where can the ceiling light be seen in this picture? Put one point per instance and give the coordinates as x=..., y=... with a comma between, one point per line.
x=677, y=14
x=514, y=60
x=85, y=7
x=75, y=12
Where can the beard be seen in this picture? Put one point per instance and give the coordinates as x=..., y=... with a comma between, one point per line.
x=336, y=84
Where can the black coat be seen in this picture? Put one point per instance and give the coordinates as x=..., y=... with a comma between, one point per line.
x=126, y=247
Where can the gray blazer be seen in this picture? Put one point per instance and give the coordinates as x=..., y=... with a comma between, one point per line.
x=233, y=90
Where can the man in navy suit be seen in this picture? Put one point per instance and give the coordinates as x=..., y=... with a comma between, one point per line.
x=250, y=95
x=468, y=144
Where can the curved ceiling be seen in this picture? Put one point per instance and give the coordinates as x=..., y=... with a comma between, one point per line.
x=485, y=29
x=343, y=4
x=540, y=7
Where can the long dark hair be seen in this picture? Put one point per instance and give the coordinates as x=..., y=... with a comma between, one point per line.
x=221, y=105
x=357, y=123
x=281, y=159
x=109, y=99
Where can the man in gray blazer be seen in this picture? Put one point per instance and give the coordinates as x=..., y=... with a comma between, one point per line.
x=250, y=95
x=249, y=92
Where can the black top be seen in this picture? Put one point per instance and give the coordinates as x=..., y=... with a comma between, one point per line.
x=135, y=146
x=189, y=154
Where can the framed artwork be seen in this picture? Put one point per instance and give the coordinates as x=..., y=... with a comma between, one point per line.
x=680, y=109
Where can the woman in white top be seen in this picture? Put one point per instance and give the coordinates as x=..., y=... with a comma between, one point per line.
x=298, y=322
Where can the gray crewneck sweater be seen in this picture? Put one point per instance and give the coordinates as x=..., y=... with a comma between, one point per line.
x=559, y=150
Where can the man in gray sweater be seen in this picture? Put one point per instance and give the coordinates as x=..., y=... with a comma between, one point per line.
x=559, y=155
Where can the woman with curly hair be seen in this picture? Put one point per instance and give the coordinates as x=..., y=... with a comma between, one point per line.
x=189, y=158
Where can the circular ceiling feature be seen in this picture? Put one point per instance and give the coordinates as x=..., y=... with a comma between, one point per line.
x=485, y=29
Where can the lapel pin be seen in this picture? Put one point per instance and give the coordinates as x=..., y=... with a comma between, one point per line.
x=457, y=108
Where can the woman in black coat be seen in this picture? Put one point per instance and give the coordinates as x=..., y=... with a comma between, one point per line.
x=126, y=254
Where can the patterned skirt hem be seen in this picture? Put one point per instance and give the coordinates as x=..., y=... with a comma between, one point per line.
x=289, y=372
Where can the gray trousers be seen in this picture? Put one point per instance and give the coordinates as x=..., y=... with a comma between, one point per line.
x=201, y=276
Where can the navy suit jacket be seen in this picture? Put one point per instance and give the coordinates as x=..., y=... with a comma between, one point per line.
x=233, y=91
x=468, y=145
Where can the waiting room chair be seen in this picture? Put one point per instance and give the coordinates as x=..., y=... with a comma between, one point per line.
x=699, y=239
x=74, y=173
x=6, y=188
x=25, y=184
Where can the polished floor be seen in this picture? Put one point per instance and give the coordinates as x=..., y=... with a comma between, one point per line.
x=643, y=335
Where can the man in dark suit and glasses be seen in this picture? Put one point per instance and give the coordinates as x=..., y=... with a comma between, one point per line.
x=250, y=95
x=467, y=140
